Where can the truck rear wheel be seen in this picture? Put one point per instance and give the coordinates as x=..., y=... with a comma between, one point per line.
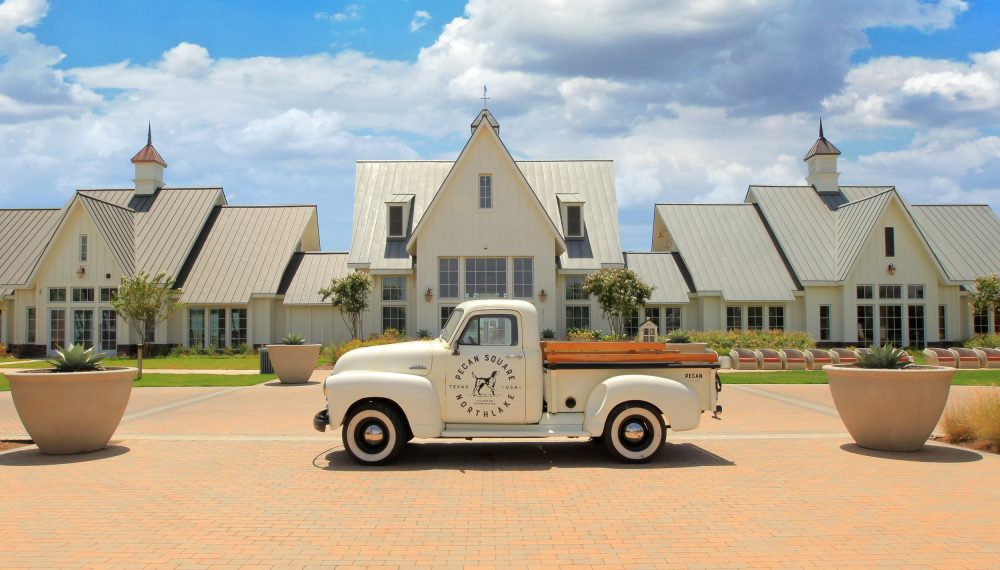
x=374, y=434
x=634, y=432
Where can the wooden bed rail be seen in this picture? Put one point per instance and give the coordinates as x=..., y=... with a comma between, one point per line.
x=625, y=351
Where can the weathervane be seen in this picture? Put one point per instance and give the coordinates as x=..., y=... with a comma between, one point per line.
x=484, y=97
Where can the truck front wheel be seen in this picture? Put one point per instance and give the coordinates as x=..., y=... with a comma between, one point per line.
x=374, y=434
x=634, y=432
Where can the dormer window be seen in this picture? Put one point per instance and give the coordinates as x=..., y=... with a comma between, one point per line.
x=574, y=221
x=396, y=228
x=485, y=191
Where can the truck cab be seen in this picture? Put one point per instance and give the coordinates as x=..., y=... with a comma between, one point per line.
x=489, y=375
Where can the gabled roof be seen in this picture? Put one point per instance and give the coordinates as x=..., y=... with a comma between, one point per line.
x=965, y=238
x=315, y=270
x=117, y=226
x=24, y=234
x=246, y=252
x=662, y=271
x=727, y=249
x=855, y=221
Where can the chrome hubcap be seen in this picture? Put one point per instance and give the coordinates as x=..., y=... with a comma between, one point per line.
x=634, y=432
x=374, y=435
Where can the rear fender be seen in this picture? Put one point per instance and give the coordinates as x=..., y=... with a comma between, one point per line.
x=678, y=402
x=415, y=396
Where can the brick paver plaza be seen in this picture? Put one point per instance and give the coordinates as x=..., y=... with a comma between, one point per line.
x=227, y=477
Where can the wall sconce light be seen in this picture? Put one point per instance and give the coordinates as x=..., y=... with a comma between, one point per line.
x=81, y=272
x=542, y=295
x=428, y=295
x=892, y=269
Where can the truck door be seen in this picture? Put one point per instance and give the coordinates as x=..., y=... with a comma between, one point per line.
x=486, y=382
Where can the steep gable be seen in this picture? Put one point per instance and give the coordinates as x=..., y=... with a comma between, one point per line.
x=965, y=238
x=24, y=233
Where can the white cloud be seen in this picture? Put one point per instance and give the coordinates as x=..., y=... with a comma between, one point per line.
x=350, y=13
x=420, y=19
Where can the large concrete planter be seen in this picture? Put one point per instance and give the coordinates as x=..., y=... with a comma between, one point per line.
x=890, y=410
x=293, y=363
x=71, y=412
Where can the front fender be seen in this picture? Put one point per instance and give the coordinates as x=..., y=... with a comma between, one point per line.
x=415, y=395
x=678, y=402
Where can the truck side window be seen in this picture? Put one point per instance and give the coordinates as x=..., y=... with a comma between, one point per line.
x=490, y=330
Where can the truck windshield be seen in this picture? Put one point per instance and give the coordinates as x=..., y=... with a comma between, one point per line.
x=451, y=325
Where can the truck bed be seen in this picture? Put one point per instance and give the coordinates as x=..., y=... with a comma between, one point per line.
x=555, y=353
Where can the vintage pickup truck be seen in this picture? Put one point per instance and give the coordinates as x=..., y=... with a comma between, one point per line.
x=488, y=375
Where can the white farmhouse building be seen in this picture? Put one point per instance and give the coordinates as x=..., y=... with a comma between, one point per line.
x=848, y=264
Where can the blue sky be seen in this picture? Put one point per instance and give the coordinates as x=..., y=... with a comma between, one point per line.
x=693, y=99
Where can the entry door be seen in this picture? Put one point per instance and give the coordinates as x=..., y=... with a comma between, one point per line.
x=83, y=327
x=486, y=382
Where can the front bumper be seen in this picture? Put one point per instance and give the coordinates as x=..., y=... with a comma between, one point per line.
x=321, y=420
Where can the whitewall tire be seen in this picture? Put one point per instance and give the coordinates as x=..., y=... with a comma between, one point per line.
x=635, y=432
x=374, y=434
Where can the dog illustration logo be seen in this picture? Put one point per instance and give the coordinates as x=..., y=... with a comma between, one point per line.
x=487, y=382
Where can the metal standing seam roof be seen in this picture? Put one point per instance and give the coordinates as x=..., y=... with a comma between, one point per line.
x=166, y=224
x=24, y=234
x=965, y=238
x=726, y=248
x=315, y=271
x=378, y=182
x=660, y=270
x=246, y=253
x=117, y=226
x=855, y=221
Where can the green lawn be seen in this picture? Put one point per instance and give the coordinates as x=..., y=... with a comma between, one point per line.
x=185, y=380
x=962, y=377
x=203, y=362
x=23, y=364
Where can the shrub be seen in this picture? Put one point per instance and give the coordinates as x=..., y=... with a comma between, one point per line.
x=984, y=340
x=548, y=334
x=77, y=359
x=423, y=334
x=3, y=351
x=724, y=341
x=679, y=335
x=583, y=334
x=885, y=357
x=389, y=336
x=974, y=421
x=294, y=339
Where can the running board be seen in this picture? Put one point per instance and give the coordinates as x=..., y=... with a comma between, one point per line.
x=551, y=425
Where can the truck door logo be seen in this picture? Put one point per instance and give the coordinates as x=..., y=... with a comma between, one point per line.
x=488, y=382
x=484, y=386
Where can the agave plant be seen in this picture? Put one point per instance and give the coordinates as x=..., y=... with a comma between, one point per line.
x=678, y=335
x=293, y=338
x=77, y=359
x=885, y=357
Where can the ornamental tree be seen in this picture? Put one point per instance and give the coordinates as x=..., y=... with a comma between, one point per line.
x=350, y=295
x=986, y=296
x=145, y=301
x=619, y=292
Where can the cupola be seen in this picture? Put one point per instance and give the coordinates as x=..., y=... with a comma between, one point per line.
x=822, y=162
x=149, y=167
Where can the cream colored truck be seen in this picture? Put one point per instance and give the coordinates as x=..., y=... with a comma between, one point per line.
x=489, y=376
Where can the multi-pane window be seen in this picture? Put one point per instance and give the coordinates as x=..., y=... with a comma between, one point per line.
x=996, y=320
x=755, y=318
x=108, y=293
x=632, y=323
x=574, y=288
x=448, y=277
x=57, y=328
x=915, y=326
x=445, y=313
x=942, y=322
x=57, y=295
x=394, y=318
x=890, y=291
x=981, y=322
x=734, y=318
x=109, y=330
x=866, y=291
x=31, y=336
x=866, y=325
x=393, y=288
x=824, y=322
x=485, y=191
x=914, y=291
x=490, y=330
x=524, y=277
x=578, y=317
x=890, y=325
x=395, y=221
x=486, y=277
x=237, y=327
x=150, y=336
x=776, y=318
x=83, y=294
x=671, y=319
x=83, y=327
x=890, y=242
x=217, y=328
x=653, y=314
x=574, y=221
x=84, y=248
x=196, y=328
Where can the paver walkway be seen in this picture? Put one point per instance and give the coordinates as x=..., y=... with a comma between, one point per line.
x=223, y=477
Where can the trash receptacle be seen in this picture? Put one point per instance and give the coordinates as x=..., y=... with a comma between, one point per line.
x=265, y=362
